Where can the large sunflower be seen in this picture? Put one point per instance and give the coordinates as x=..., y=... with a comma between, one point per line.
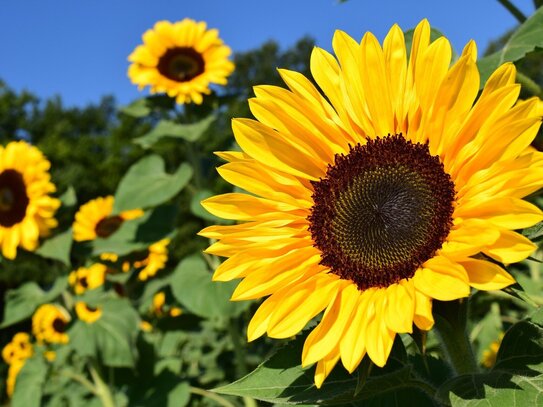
x=181, y=59
x=94, y=219
x=26, y=209
x=397, y=187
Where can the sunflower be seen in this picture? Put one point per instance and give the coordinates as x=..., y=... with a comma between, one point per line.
x=19, y=348
x=155, y=259
x=94, y=219
x=49, y=324
x=26, y=209
x=87, y=278
x=160, y=309
x=87, y=313
x=181, y=59
x=398, y=186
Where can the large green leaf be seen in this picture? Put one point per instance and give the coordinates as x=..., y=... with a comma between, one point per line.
x=516, y=380
x=281, y=380
x=167, y=128
x=137, y=234
x=112, y=338
x=192, y=287
x=144, y=106
x=57, y=247
x=22, y=302
x=29, y=383
x=146, y=184
x=525, y=39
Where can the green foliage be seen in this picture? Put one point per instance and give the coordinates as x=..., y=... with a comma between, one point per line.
x=192, y=286
x=146, y=184
x=165, y=340
x=525, y=39
x=23, y=301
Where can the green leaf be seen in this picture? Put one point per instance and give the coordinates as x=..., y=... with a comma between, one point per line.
x=515, y=380
x=143, y=107
x=138, y=234
x=534, y=232
x=112, y=338
x=192, y=286
x=281, y=380
x=167, y=128
x=525, y=39
x=146, y=184
x=137, y=108
x=165, y=390
x=23, y=301
x=57, y=247
x=29, y=383
x=68, y=198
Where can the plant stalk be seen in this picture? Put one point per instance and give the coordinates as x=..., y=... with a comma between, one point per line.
x=213, y=396
x=451, y=318
x=102, y=389
x=513, y=10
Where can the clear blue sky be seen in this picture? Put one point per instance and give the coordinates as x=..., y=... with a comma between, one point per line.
x=78, y=48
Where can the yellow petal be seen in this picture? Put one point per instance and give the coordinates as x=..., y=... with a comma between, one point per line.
x=423, y=318
x=486, y=276
x=442, y=279
x=301, y=303
x=511, y=247
x=325, y=366
x=328, y=333
x=399, y=307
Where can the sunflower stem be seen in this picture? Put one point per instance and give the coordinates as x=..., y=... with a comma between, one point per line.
x=102, y=389
x=213, y=396
x=529, y=84
x=513, y=10
x=451, y=319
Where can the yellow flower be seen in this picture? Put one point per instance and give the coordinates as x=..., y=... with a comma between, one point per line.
x=159, y=299
x=19, y=348
x=93, y=219
x=181, y=59
x=155, y=259
x=175, y=311
x=26, y=209
x=50, y=355
x=87, y=278
x=373, y=200
x=13, y=371
x=87, y=313
x=146, y=326
x=49, y=324
x=490, y=354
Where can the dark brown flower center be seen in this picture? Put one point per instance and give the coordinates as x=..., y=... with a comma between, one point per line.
x=13, y=198
x=107, y=226
x=381, y=211
x=181, y=64
x=59, y=325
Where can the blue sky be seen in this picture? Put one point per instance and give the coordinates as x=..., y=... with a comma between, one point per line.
x=78, y=48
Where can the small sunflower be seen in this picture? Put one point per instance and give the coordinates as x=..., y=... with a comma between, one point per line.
x=19, y=348
x=26, y=209
x=87, y=313
x=160, y=309
x=94, y=219
x=49, y=324
x=87, y=278
x=181, y=59
x=399, y=186
x=155, y=259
